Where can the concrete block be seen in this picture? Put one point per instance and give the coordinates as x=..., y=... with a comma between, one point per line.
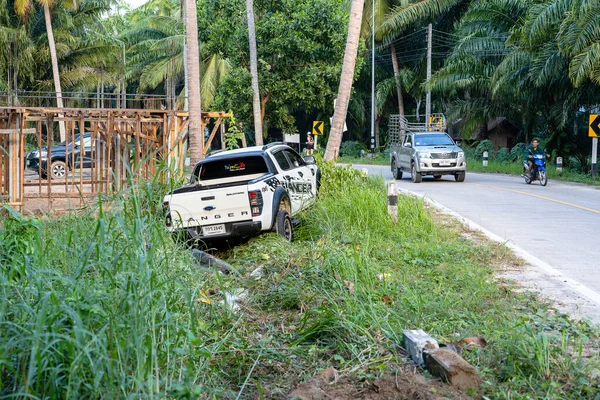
x=452, y=368
x=416, y=342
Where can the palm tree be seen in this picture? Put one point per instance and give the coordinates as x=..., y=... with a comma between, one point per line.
x=254, y=71
x=16, y=52
x=579, y=37
x=341, y=107
x=479, y=46
x=382, y=9
x=405, y=15
x=22, y=7
x=196, y=133
x=156, y=57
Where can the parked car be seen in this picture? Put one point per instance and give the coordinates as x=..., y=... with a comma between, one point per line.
x=243, y=192
x=428, y=153
x=64, y=158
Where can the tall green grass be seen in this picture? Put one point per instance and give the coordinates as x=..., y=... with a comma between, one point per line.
x=103, y=304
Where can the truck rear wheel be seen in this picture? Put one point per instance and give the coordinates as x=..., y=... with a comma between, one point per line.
x=283, y=225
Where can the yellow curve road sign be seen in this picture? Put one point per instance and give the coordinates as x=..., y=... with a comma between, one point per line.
x=318, y=127
x=594, y=129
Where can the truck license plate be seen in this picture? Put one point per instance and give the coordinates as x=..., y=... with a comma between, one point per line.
x=213, y=229
x=444, y=163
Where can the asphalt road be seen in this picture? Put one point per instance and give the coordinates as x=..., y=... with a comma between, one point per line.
x=559, y=224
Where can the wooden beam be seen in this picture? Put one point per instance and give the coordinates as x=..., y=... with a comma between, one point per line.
x=24, y=131
x=212, y=136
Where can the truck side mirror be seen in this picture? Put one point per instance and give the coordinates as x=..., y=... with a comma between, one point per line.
x=310, y=160
x=407, y=145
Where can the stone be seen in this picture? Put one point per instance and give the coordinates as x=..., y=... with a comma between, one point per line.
x=452, y=368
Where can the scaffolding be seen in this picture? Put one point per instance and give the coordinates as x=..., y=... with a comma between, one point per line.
x=104, y=151
x=399, y=126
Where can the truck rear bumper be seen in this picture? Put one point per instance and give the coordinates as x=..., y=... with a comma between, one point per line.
x=232, y=230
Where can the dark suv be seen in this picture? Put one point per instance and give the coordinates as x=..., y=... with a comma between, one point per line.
x=64, y=157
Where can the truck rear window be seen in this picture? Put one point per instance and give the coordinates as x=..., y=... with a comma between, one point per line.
x=233, y=167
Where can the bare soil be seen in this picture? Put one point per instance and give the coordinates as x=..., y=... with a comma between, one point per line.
x=407, y=383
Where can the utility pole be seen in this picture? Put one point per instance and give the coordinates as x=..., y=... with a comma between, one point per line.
x=428, y=98
x=373, y=111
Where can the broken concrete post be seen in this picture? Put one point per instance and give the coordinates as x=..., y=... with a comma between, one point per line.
x=212, y=261
x=416, y=342
x=392, y=198
x=452, y=368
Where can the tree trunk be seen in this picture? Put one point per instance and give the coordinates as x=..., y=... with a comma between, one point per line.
x=196, y=133
x=55, y=73
x=263, y=104
x=258, y=133
x=397, y=78
x=341, y=107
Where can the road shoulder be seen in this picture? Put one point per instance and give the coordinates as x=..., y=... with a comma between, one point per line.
x=566, y=294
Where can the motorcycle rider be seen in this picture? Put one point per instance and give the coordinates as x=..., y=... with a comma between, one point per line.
x=532, y=150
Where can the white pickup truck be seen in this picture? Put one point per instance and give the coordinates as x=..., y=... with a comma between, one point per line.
x=243, y=192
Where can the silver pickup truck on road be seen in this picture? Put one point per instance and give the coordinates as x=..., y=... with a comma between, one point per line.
x=420, y=152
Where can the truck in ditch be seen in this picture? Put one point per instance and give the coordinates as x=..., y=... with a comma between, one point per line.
x=241, y=193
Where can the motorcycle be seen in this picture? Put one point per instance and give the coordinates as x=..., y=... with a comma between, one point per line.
x=539, y=170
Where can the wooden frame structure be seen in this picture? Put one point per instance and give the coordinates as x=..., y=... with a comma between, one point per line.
x=119, y=147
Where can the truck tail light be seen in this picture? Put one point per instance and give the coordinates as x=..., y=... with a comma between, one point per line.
x=256, y=202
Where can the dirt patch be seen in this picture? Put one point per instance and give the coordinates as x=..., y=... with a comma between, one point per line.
x=406, y=383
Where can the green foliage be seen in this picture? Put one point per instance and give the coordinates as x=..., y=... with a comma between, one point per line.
x=18, y=236
x=334, y=178
x=234, y=134
x=504, y=155
x=517, y=153
x=484, y=145
x=300, y=51
x=352, y=149
x=105, y=305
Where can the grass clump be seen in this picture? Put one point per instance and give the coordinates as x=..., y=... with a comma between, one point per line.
x=106, y=305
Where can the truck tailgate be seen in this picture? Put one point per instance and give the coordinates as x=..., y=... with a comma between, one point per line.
x=217, y=206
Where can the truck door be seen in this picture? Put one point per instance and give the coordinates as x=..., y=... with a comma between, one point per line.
x=294, y=176
x=308, y=188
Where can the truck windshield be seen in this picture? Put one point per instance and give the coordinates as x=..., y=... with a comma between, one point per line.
x=231, y=167
x=430, y=139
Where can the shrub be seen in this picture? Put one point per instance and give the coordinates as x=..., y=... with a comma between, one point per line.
x=504, y=155
x=484, y=145
x=518, y=151
x=352, y=149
